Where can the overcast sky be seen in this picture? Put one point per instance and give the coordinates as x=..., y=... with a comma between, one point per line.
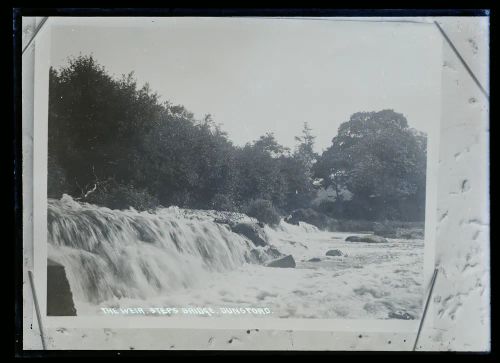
x=269, y=75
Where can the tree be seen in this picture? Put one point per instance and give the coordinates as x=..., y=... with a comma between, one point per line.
x=297, y=171
x=258, y=170
x=109, y=137
x=114, y=143
x=96, y=123
x=304, y=151
x=268, y=144
x=381, y=161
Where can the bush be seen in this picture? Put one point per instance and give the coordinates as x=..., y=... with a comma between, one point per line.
x=121, y=196
x=327, y=207
x=345, y=209
x=264, y=211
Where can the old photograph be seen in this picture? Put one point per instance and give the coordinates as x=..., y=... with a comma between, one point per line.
x=240, y=167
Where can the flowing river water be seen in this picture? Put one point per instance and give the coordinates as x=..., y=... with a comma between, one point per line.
x=177, y=257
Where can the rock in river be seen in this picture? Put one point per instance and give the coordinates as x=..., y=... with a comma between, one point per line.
x=368, y=239
x=251, y=231
x=59, y=296
x=334, y=253
x=314, y=259
x=400, y=315
x=287, y=261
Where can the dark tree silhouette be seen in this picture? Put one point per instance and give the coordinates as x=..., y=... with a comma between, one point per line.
x=116, y=144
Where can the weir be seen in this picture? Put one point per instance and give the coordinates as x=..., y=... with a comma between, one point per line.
x=115, y=254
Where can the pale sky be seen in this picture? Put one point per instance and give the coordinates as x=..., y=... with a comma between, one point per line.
x=269, y=75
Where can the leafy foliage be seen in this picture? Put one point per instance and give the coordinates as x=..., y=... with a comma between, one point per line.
x=116, y=144
x=110, y=139
x=382, y=162
x=264, y=211
x=119, y=196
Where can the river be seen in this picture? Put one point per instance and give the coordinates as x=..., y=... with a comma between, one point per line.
x=178, y=258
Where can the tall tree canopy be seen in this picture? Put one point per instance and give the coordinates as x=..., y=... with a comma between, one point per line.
x=114, y=143
x=107, y=135
x=382, y=161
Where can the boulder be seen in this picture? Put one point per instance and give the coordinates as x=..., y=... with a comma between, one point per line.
x=251, y=231
x=59, y=296
x=334, y=253
x=314, y=259
x=368, y=239
x=401, y=315
x=284, y=262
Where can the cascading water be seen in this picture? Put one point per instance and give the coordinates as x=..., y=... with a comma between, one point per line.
x=176, y=257
x=114, y=254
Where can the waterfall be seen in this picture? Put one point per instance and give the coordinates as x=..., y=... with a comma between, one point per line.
x=114, y=254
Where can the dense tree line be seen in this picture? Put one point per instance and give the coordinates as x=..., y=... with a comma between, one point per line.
x=116, y=144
